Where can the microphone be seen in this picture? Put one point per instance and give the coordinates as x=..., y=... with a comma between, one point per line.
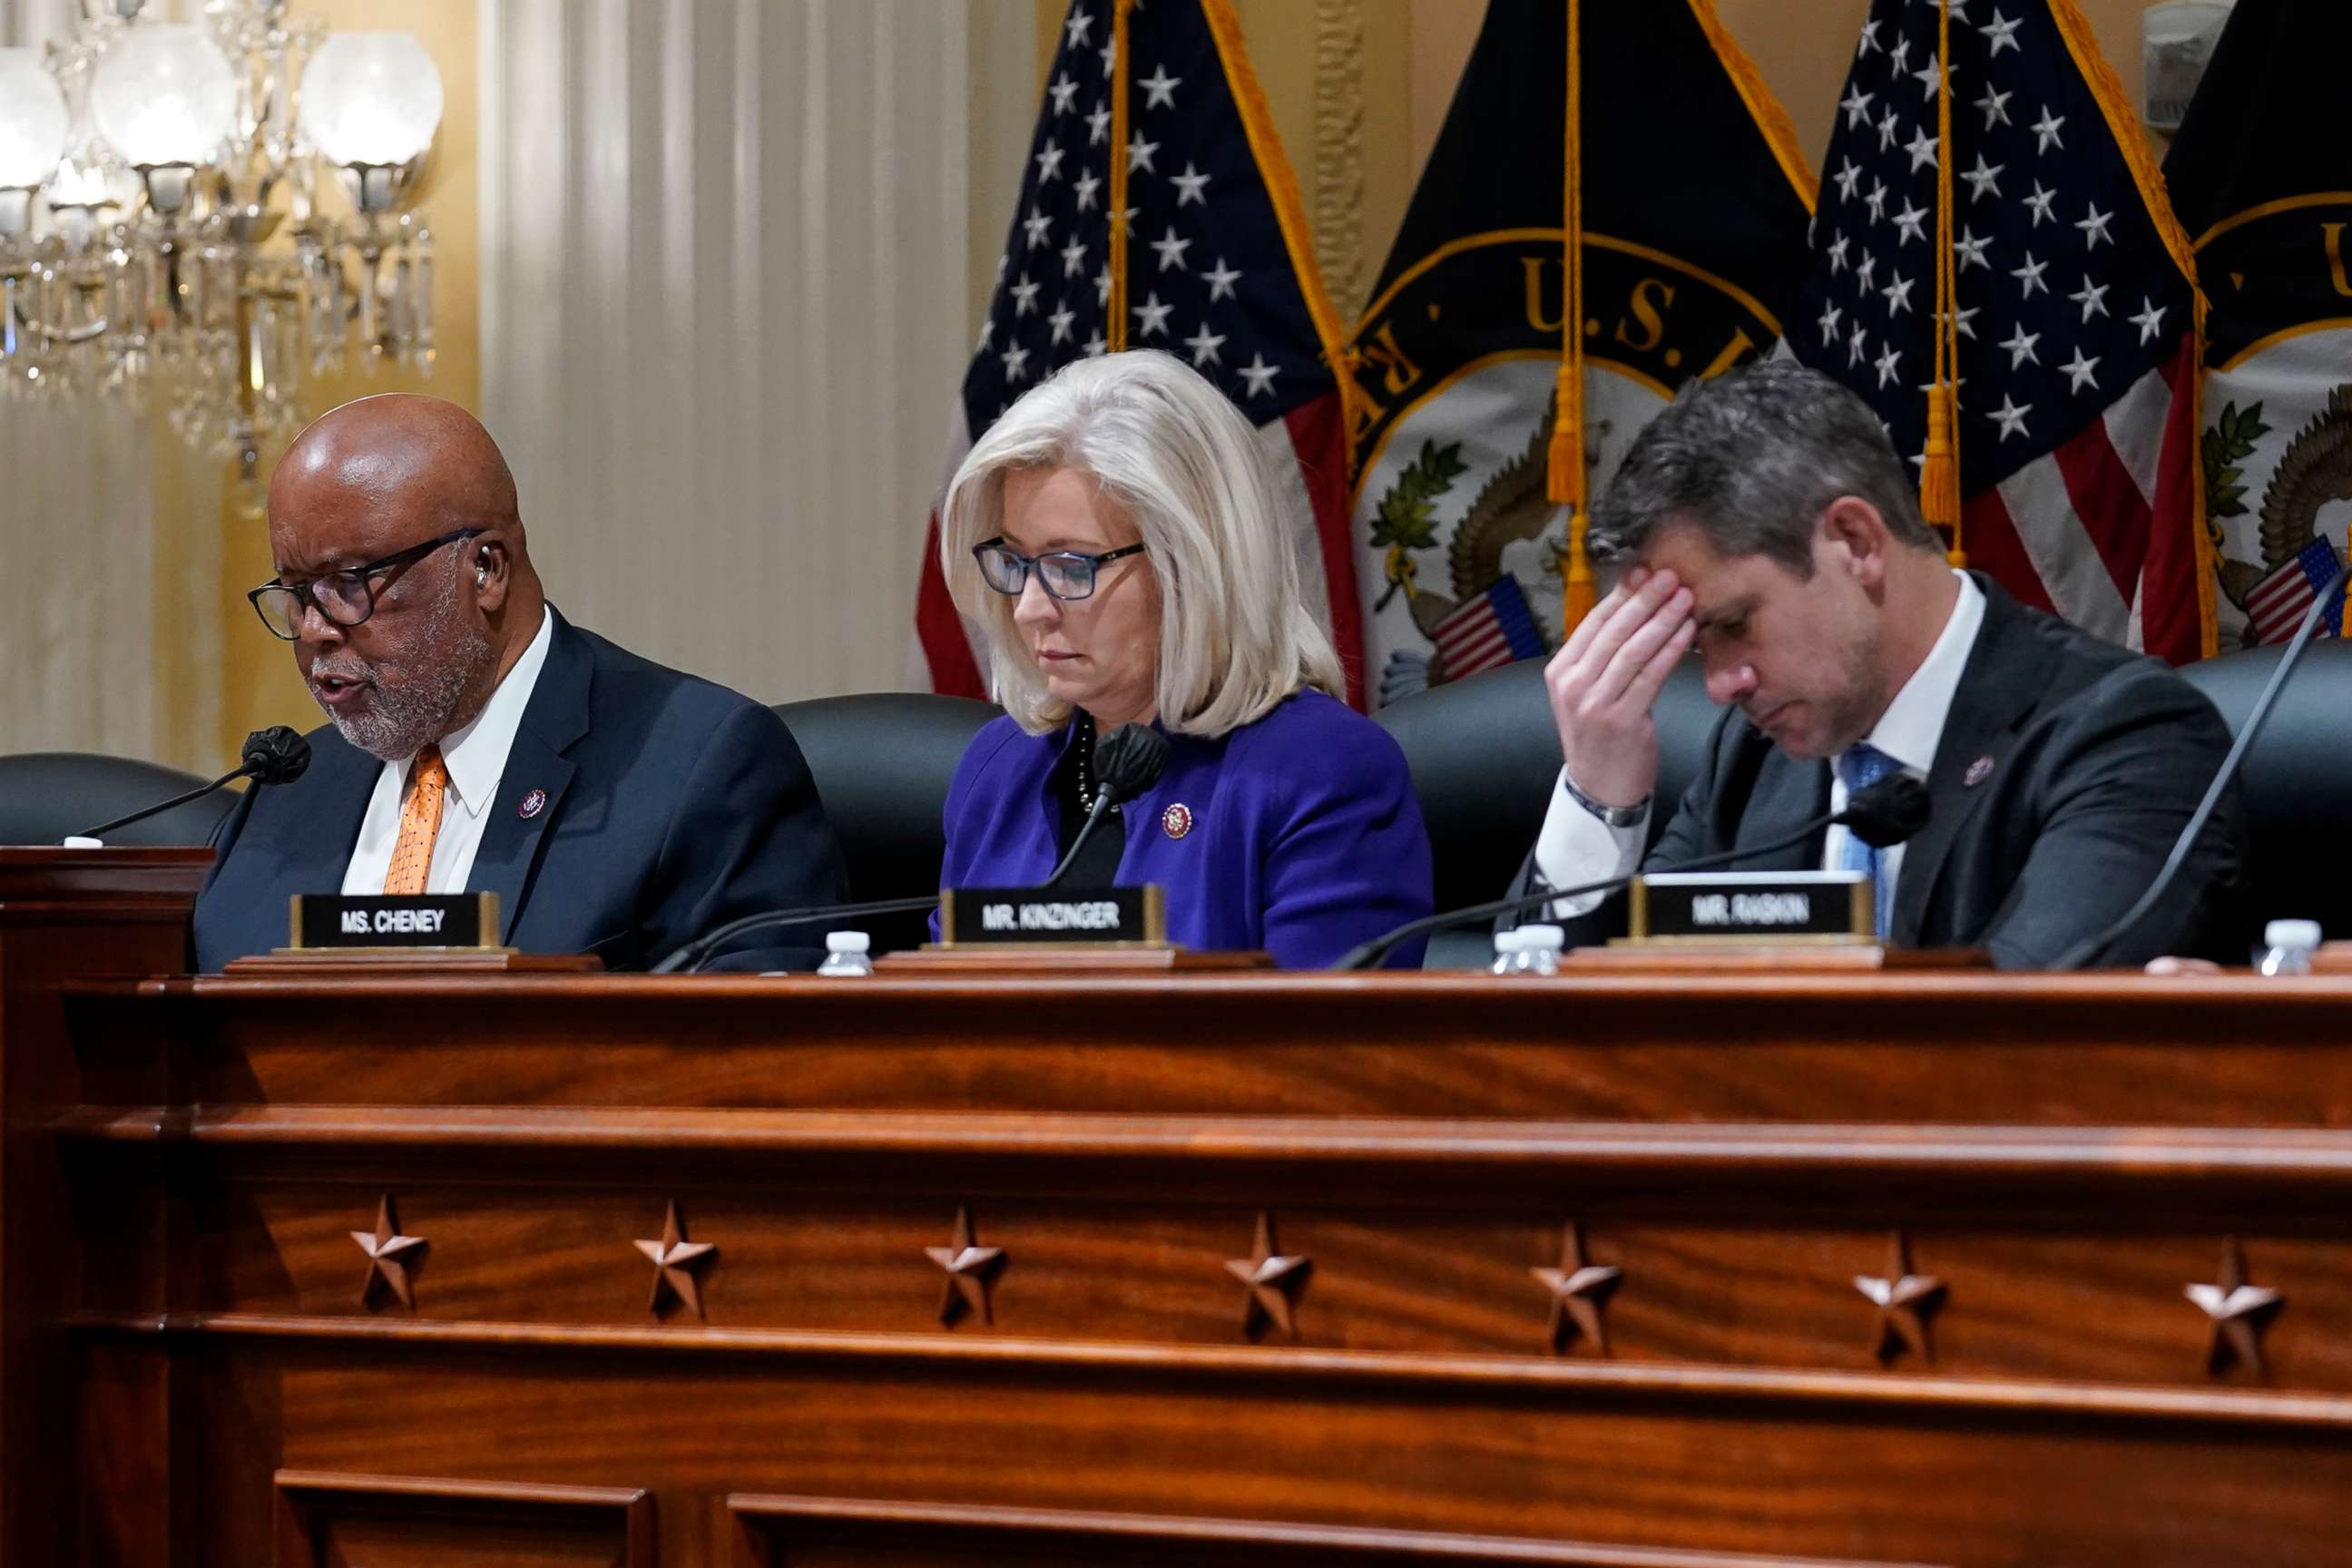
x=1127, y=761
x=275, y=755
x=2089, y=950
x=1881, y=817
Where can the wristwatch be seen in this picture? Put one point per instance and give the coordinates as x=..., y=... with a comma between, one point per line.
x=1631, y=816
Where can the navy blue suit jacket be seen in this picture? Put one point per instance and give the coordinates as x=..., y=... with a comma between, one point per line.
x=673, y=806
x=1298, y=833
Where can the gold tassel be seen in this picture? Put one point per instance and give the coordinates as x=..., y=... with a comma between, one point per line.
x=1940, y=476
x=1564, y=464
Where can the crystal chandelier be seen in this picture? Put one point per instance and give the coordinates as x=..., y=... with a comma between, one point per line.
x=162, y=239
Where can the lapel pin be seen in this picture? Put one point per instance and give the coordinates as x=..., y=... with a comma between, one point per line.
x=536, y=802
x=1177, y=820
x=1979, y=771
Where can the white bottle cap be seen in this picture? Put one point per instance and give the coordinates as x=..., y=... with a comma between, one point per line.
x=2291, y=933
x=1552, y=937
x=847, y=942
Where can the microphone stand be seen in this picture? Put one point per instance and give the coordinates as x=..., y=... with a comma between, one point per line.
x=2089, y=951
x=147, y=811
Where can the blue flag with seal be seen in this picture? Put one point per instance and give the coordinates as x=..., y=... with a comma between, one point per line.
x=1558, y=276
x=2262, y=176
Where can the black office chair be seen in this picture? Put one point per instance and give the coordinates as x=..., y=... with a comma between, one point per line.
x=1484, y=756
x=2298, y=782
x=45, y=796
x=882, y=762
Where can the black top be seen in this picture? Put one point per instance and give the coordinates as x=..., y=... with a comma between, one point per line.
x=1098, y=863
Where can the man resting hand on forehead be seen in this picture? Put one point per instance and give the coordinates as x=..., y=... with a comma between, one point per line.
x=480, y=742
x=1764, y=521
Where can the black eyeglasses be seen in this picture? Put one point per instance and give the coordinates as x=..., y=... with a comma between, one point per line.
x=346, y=597
x=1066, y=573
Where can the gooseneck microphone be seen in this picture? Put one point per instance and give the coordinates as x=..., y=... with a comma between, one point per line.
x=275, y=755
x=1127, y=761
x=2091, y=950
x=1882, y=815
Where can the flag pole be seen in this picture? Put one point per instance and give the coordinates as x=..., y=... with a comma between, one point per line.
x=1939, y=472
x=1564, y=472
x=1115, y=332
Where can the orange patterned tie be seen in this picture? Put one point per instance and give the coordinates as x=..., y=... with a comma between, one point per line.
x=420, y=822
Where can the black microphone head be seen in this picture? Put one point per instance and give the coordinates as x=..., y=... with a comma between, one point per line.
x=275, y=755
x=1888, y=812
x=1129, y=759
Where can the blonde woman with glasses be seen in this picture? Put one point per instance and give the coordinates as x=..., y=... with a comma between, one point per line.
x=1116, y=535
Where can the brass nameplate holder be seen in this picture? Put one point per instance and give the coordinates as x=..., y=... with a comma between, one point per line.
x=431, y=934
x=1061, y=917
x=1748, y=908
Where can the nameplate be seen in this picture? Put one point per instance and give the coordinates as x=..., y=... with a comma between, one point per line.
x=324, y=920
x=970, y=916
x=1750, y=907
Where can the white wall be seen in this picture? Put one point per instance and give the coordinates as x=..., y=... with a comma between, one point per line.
x=725, y=310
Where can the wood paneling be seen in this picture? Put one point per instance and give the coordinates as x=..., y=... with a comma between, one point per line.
x=2064, y=1157
x=335, y=1520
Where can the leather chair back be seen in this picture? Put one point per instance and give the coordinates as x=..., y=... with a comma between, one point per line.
x=1484, y=756
x=882, y=762
x=2298, y=779
x=46, y=796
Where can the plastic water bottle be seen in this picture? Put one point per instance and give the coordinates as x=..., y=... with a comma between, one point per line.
x=2288, y=946
x=1541, y=953
x=1528, y=949
x=845, y=953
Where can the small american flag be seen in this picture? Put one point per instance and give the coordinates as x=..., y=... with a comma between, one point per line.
x=1488, y=631
x=2278, y=603
x=2074, y=306
x=1218, y=272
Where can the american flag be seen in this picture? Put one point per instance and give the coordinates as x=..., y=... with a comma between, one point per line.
x=2074, y=303
x=1218, y=272
x=2277, y=603
x=1488, y=630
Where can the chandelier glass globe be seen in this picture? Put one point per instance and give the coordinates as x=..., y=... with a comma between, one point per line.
x=33, y=122
x=163, y=95
x=371, y=99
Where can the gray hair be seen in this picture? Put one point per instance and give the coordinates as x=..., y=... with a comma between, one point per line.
x=1751, y=460
x=1236, y=633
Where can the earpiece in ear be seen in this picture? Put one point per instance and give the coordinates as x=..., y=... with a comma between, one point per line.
x=481, y=577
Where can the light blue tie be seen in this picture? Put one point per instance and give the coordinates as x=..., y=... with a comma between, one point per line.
x=1858, y=768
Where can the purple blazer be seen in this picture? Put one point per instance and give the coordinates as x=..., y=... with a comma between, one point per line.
x=1298, y=833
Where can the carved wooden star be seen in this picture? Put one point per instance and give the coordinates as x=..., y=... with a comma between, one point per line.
x=1904, y=1300
x=677, y=1263
x=2237, y=1312
x=1579, y=1291
x=384, y=1248
x=1274, y=1281
x=971, y=1273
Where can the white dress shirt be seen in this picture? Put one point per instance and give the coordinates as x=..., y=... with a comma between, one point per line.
x=1576, y=846
x=476, y=757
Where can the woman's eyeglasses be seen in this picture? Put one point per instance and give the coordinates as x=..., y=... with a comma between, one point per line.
x=1066, y=573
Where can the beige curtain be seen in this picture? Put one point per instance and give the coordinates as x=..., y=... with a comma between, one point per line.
x=726, y=307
